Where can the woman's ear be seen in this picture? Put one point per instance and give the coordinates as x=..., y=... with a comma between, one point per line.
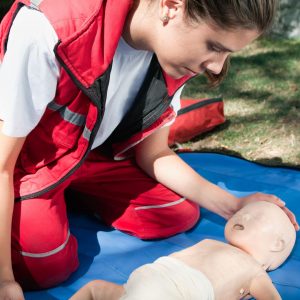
x=168, y=9
x=278, y=245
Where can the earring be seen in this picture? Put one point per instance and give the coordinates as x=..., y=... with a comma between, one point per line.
x=165, y=19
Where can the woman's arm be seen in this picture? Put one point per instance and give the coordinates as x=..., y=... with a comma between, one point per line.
x=9, y=151
x=155, y=157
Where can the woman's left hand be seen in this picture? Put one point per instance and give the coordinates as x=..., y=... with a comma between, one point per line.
x=273, y=199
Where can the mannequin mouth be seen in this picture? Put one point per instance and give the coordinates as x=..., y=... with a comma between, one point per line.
x=238, y=227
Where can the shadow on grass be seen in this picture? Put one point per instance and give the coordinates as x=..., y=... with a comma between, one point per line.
x=273, y=64
x=271, y=76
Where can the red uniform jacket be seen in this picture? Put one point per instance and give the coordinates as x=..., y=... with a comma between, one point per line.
x=88, y=32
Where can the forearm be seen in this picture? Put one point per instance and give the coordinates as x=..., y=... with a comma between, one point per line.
x=6, y=211
x=169, y=169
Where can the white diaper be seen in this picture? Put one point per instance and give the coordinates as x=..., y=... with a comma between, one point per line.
x=167, y=279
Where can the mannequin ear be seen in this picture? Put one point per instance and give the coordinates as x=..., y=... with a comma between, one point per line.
x=278, y=245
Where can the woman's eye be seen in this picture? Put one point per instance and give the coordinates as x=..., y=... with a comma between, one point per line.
x=214, y=48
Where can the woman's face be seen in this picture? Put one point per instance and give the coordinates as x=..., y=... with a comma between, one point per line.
x=189, y=48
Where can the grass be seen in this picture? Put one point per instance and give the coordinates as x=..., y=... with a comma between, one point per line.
x=262, y=105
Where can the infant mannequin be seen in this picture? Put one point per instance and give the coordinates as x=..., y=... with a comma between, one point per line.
x=260, y=237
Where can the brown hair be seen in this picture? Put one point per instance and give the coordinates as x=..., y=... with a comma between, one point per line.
x=230, y=14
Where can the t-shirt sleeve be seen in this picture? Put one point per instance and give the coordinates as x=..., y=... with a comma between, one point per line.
x=28, y=73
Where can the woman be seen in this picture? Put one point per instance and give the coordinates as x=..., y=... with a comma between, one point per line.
x=84, y=86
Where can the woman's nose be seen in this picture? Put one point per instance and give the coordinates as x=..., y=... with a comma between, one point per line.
x=215, y=65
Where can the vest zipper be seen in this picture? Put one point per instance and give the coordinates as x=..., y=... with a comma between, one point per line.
x=135, y=143
x=167, y=98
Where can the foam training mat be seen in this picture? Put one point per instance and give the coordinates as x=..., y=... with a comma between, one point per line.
x=108, y=254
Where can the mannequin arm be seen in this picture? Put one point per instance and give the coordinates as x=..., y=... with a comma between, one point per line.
x=262, y=288
x=99, y=290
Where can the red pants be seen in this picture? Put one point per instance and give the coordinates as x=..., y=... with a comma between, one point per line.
x=44, y=253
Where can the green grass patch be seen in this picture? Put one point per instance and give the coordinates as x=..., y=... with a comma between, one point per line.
x=262, y=104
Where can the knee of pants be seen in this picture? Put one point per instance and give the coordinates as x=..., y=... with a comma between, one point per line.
x=44, y=253
x=159, y=221
x=43, y=270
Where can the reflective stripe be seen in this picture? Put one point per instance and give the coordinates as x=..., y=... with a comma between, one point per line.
x=49, y=253
x=54, y=106
x=162, y=205
x=71, y=117
x=35, y=3
x=86, y=133
x=68, y=115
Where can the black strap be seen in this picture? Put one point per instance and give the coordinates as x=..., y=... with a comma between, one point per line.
x=150, y=103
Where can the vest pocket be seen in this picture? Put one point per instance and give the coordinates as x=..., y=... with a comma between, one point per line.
x=48, y=142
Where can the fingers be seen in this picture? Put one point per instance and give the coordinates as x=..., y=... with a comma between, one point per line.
x=292, y=218
x=269, y=198
x=276, y=200
x=279, y=202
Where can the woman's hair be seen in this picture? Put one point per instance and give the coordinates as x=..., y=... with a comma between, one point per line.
x=231, y=14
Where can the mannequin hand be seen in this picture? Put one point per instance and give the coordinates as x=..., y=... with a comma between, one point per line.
x=11, y=290
x=270, y=198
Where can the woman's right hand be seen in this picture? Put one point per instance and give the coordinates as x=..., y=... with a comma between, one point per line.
x=272, y=199
x=11, y=290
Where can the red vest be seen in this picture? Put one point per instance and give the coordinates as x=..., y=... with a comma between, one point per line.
x=88, y=32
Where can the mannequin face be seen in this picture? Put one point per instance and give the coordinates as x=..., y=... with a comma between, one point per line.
x=264, y=231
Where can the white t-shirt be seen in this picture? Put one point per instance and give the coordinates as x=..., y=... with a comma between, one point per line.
x=29, y=73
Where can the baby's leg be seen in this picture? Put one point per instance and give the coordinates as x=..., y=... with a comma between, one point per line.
x=99, y=290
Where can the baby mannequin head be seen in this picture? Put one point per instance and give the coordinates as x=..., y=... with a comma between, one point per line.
x=264, y=231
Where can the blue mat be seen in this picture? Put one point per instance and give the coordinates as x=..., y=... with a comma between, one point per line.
x=105, y=253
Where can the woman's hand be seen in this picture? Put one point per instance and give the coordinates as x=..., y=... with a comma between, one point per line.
x=11, y=290
x=269, y=198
